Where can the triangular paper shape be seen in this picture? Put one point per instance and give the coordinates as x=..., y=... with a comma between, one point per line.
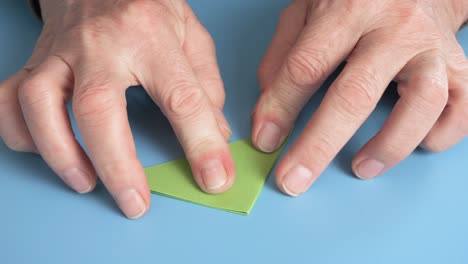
x=174, y=179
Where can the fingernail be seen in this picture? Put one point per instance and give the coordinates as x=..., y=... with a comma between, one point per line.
x=369, y=169
x=131, y=203
x=78, y=180
x=268, y=140
x=213, y=174
x=297, y=180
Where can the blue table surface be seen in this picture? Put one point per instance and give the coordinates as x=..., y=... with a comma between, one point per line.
x=416, y=213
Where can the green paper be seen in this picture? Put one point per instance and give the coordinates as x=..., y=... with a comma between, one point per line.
x=175, y=179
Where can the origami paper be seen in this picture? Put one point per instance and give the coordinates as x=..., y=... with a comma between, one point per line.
x=174, y=179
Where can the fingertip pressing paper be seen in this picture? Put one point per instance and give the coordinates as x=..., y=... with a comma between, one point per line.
x=174, y=179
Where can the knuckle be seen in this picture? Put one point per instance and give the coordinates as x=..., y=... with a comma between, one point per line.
x=134, y=17
x=112, y=173
x=357, y=95
x=149, y=12
x=433, y=95
x=33, y=92
x=183, y=101
x=353, y=6
x=285, y=103
x=93, y=105
x=409, y=13
x=436, y=92
x=139, y=5
x=145, y=8
x=319, y=153
x=306, y=67
x=29, y=86
x=412, y=19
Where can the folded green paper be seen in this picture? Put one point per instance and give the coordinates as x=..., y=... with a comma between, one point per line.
x=175, y=179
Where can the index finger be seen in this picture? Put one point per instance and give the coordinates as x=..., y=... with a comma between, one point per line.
x=316, y=54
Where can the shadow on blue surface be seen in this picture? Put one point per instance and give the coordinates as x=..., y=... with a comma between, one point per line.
x=416, y=213
x=148, y=122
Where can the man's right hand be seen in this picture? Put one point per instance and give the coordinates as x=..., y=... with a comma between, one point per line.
x=91, y=52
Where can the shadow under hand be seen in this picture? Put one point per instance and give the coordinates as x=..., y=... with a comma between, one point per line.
x=154, y=138
x=304, y=117
x=18, y=38
x=30, y=166
x=370, y=127
x=241, y=45
x=367, y=131
x=30, y=169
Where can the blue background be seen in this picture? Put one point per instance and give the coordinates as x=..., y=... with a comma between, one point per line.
x=416, y=213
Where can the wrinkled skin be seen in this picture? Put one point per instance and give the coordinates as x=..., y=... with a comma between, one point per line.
x=410, y=42
x=90, y=52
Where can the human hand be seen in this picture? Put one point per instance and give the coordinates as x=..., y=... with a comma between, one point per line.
x=91, y=52
x=411, y=42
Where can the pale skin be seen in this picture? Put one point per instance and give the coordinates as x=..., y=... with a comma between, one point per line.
x=90, y=52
